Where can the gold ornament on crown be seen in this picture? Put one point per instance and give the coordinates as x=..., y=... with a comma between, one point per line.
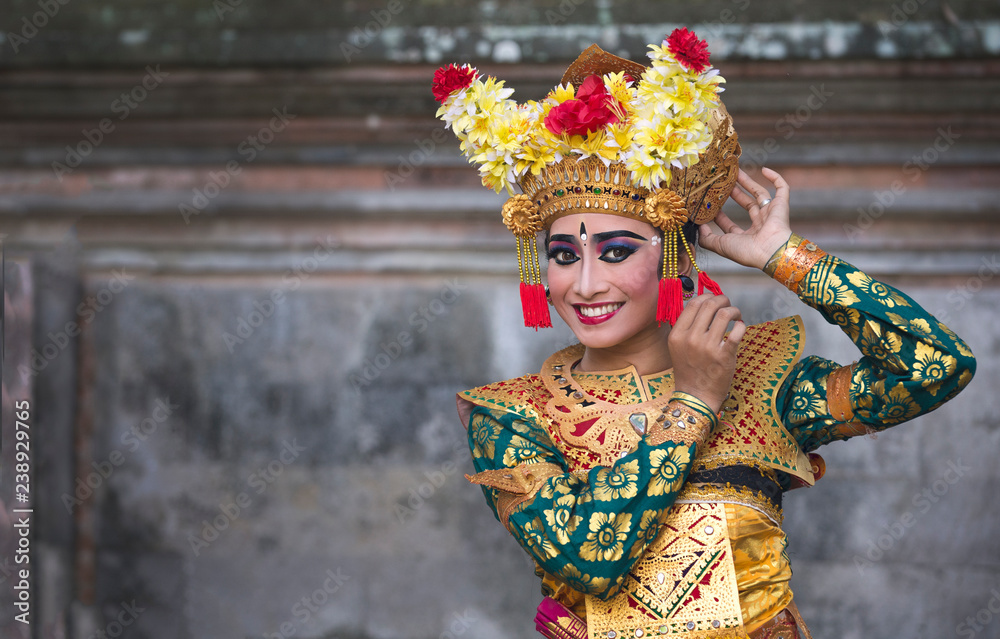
x=653, y=144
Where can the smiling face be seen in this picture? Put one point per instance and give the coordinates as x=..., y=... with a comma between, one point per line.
x=603, y=275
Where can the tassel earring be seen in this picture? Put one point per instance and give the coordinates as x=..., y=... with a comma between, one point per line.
x=520, y=215
x=534, y=303
x=669, y=301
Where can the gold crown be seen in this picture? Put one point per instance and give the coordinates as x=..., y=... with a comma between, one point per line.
x=653, y=144
x=586, y=185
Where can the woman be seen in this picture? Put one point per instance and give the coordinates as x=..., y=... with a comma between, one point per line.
x=643, y=469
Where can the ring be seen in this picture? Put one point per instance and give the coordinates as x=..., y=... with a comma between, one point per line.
x=765, y=202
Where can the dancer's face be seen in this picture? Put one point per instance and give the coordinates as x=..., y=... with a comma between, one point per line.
x=603, y=275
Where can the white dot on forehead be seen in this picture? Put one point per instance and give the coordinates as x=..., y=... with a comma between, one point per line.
x=583, y=232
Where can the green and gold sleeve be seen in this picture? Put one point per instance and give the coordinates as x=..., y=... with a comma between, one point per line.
x=911, y=363
x=585, y=527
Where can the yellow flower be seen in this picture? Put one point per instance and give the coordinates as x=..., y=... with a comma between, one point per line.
x=534, y=537
x=806, y=402
x=521, y=451
x=484, y=430
x=562, y=93
x=608, y=532
x=877, y=289
x=666, y=469
x=621, y=481
x=560, y=518
x=932, y=367
x=618, y=87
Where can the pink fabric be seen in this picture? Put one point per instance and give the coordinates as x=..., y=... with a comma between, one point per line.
x=556, y=621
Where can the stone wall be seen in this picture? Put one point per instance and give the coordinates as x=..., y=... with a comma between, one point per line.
x=258, y=274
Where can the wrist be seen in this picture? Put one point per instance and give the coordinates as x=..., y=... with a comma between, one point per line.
x=686, y=419
x=789, y=264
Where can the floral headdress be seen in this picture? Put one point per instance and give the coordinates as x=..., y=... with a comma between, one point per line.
x=660, y=149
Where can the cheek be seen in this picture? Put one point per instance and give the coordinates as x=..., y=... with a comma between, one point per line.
x=644, y=279
x=559, y=280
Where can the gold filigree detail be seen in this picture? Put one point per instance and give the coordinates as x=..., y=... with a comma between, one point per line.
x=729, y=494
x=665, y=210
x=685, y=584
x=520, y=215
x=515, y=485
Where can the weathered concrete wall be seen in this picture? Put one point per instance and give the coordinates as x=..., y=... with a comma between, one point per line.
x=267, y=376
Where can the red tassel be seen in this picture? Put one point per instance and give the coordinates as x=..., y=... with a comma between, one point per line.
x=534, y=306
x=704, y=281
x=669, y=303
x=542, y=317
x=527, y=305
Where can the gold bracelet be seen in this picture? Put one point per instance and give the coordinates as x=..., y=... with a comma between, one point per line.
x=790, y=263
x=683, y=424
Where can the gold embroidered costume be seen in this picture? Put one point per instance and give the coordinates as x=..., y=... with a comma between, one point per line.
x=643, y=528
x=646, y=513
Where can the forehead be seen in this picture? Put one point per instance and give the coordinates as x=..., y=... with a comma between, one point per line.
x=599, y=223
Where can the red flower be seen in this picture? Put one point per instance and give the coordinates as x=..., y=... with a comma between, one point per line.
x=452, y=78
x=592, y=109
x=688, y=49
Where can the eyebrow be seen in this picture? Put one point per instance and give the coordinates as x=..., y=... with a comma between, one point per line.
x=603, y=237
x=569, y=239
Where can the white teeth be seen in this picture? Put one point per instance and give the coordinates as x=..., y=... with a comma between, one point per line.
x=597, y=311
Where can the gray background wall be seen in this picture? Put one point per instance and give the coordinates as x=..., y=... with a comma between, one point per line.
x=293, y=467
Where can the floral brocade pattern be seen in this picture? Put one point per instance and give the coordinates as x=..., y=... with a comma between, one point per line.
x=911, y=362
x=590, y=526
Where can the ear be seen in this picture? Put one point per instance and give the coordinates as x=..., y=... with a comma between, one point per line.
x=684, y=265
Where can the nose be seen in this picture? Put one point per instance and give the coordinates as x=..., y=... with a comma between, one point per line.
x=590, y=281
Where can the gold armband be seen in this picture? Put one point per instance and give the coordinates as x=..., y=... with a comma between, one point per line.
x=838, y=393
x=792, y=261
x=687, y=420
x=515, y=485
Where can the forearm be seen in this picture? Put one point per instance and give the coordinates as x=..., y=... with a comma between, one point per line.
x=911, y=363
x=589, y=527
